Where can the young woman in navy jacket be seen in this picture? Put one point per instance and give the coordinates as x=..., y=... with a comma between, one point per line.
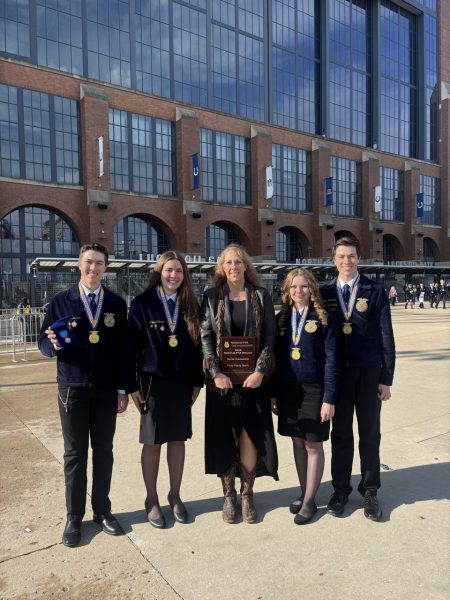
x=163, y=374
x=305, y=383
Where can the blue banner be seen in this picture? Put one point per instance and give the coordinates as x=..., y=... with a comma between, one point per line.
x=419, y=205
x=195, y=172
x=329, y=191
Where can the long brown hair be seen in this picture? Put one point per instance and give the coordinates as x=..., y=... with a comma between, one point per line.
x=188, y=302
x=250, y=275
x=316, y=298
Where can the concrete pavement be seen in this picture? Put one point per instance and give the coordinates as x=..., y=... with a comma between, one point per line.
x=405, y=555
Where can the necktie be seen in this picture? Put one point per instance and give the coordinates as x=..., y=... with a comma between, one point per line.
x=171, y=305
x=346, y=293
x=92, y=302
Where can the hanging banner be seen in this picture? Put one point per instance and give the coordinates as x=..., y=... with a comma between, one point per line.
x=195, y=172
x=419, y=205
x=378, y=199
x=269, y=183
x=101, y=171
x=329, y=191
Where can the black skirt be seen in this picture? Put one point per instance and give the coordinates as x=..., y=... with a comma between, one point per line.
x=169, y=416
x=299, y=407
x=226, y=416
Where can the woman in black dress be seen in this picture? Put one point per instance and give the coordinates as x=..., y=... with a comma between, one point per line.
x=163, y=374
x=239, y=437
x=306, y=382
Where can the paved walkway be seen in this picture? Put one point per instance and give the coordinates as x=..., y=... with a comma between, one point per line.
x=404, y=556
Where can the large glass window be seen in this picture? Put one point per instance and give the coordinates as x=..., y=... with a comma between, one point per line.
x=153, y=47
x=237, y=57
x=189, y=55
x=217, y=237
x=59, y=35
x=44, y=129
x=32, y=231
x=431, y=188
x=135, y=237
x=398, y=47
x=151, y=144
x=432, y=90
x=295, y=57
x=9, y=132
x=108, y=41
x=15, y=27
x=291, y=178
x=67, y=141
x=392, y=193
x=346, y=187
x=289, y=248
x=36, y=124
x=225, y=167
x=349, y=70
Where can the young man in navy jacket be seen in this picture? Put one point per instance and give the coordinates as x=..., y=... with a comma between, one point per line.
x=88, y=346
x=361, y=309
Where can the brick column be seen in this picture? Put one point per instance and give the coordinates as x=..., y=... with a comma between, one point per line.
x=99, y=219
x=323, y=234
x=372, y=245
x=192, y=232
x=412, y=223
x=263, y=238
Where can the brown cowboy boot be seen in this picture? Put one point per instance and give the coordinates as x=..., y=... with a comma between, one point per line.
x=229, y=493
x=248, y=507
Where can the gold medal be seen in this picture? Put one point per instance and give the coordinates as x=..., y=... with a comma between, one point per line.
x=361, y=305
x=109, y=320
x=347, y=328
x=295, y=353
x=173, y=342
x=310, y=326
x=94, y=338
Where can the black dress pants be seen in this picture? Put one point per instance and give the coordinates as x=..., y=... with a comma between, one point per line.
x=91, y=413
x=359, y=393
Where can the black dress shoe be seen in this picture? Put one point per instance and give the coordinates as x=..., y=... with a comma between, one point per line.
x=181, y=517
x=336, y=504
x=303, y=519
x=72, y=532
x=294, y=507
x=109, y=524
x=160, y=522
x=372, y=509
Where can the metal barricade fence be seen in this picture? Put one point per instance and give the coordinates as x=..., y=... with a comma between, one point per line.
x=19, y=334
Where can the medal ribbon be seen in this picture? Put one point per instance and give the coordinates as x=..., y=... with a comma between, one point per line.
x=93, y=319
x=171, y=322
x=347, y=310
x=298, y=324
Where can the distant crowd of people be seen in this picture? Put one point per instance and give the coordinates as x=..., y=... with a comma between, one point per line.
x=434, y=293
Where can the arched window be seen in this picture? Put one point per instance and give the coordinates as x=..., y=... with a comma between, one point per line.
x=388, y=250
x=32, y=231
x=217, y=236
x=288, y=246
x=429, y=254
x=135, y=237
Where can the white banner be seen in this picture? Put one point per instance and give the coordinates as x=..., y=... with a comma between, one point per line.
x=100, y=157
x=269, y=183
x=378, y=199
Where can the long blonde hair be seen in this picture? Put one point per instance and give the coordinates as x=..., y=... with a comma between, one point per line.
x=250, y=275
x=187, y=299
x=316, y=298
